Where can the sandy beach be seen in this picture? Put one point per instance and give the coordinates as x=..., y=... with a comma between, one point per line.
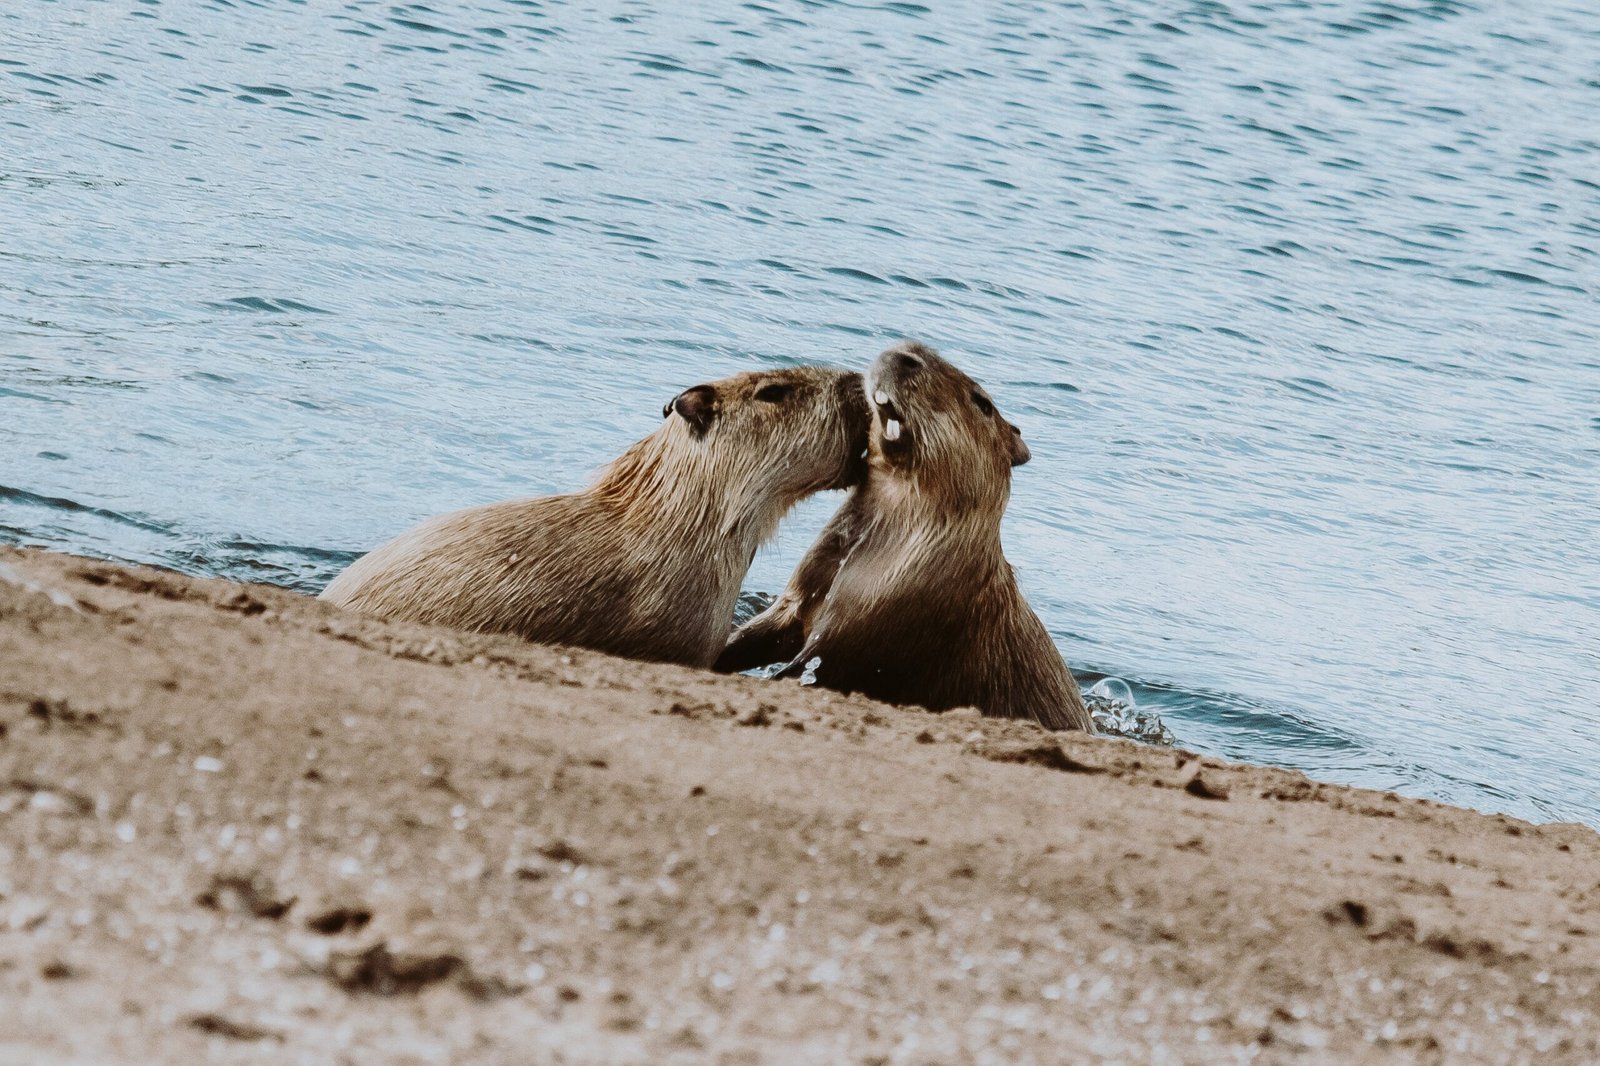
x=239, y=826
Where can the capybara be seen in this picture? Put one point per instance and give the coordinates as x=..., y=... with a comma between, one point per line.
x=647, y=561
x=906, y=596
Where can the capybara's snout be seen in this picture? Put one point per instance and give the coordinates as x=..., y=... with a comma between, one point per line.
x=855, y=415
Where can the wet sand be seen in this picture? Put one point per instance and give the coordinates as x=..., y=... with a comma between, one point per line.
x=238, y=825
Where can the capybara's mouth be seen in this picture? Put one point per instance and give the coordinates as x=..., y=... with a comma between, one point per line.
x=891, y=381
x=893, y=420
x=893, y=432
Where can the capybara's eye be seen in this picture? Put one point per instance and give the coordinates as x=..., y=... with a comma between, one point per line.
x=983, y=403
x=773, y=393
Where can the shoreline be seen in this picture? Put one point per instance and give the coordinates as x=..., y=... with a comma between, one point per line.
x=243, y=825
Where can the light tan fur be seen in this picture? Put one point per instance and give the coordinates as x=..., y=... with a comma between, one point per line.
x=906, y=596
x=647, y=561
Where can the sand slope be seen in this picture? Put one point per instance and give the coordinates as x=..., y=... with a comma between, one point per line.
x=237, y=825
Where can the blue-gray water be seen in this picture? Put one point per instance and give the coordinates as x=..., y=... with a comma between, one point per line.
x=1295, y=301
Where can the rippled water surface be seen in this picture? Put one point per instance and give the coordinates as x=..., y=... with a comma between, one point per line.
x=1296, y=303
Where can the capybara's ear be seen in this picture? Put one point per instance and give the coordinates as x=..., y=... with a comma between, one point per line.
x=697, y=406
x=1019, y=447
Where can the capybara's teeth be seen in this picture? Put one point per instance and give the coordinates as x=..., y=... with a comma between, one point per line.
x=891, y=430
x=880, y=398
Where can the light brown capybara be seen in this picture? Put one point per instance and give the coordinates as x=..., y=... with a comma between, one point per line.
x=906, y=596
x=647, y=561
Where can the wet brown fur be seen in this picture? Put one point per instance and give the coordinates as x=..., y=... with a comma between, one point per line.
x=906, y=596
x=647, y=562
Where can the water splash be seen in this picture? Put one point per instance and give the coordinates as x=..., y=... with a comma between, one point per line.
x=808, y=676
x=1115, y=714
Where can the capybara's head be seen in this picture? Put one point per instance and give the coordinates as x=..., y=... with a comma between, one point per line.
x=937, y=427
x=794, y=431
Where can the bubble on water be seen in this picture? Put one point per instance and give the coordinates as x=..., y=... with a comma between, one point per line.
x=808, y=676
x=1114, y=689
x=1111, y=705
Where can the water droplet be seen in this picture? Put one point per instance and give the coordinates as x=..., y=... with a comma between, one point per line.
x=808, y=676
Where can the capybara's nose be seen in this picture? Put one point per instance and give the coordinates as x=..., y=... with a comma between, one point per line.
x=910, y=362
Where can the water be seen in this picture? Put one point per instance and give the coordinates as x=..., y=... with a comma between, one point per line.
x=1294, y=301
